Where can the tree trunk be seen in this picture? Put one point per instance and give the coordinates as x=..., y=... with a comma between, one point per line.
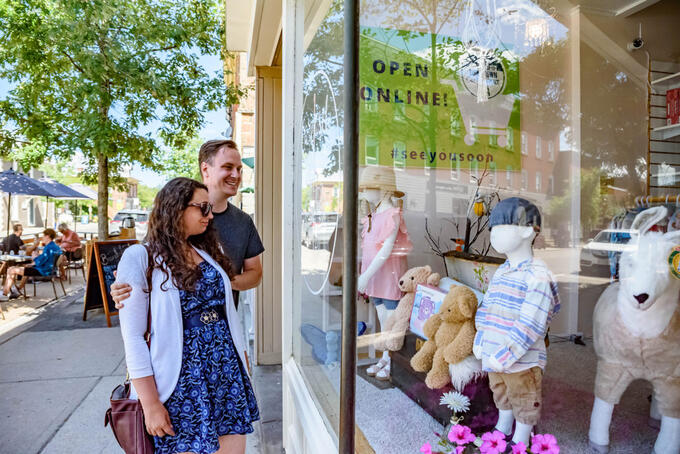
x=103, y=197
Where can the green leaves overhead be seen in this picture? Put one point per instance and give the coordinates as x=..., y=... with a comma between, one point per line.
x=87, y=75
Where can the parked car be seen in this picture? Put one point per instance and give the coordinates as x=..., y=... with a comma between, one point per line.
x=607, y=246
x=140, y=217
x=317, y=228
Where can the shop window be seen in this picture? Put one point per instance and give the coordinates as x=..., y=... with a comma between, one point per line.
x=551, y=151
x=372, y=150
x=525, y=145
x=525, y=180
x=539, y=152
x=539, y=181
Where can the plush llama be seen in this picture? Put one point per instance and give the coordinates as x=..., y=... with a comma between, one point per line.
x=451, y=333
x=637, y=333
x=392, y=334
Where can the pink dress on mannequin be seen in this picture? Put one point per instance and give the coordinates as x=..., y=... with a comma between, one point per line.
x=385, y=282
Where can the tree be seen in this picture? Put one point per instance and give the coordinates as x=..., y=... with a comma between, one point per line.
x=146, y=196
x=183, y=162
x=88, y=75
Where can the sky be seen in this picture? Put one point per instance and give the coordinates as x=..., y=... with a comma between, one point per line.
x=215, y=124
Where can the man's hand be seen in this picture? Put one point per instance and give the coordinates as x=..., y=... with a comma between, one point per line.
x=251, y=275
x=120, y=292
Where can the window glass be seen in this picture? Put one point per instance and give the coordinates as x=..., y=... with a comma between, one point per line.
x=464, y=104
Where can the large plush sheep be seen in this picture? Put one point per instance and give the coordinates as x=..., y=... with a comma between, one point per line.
x=637, y=334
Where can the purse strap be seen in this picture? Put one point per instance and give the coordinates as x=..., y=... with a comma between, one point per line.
x=149, y=270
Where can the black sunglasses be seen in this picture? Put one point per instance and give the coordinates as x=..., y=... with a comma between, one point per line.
x=206, y=207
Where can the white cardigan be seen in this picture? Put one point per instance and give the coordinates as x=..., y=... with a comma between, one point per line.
x=163, y=359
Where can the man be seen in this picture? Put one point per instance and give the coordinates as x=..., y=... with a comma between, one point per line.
x=70, y=244
x=220, y=166
x=42, y=265
x=13, y=242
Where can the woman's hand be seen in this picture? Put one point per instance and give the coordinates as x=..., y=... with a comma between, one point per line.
x=157, y=420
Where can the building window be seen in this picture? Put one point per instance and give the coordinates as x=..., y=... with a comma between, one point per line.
x=474, y=172
x=493, y=138
x=455, y=125
x=525, y=145
x=399, y=111
x=539, y=181
x=508, y=176
x=399, y=155
x=492, y=174
x=372, y=150
x=551, y=185
x=510, y=146
x=551, y=151
x=455, y=170
x=525, y=180
x=539, y=152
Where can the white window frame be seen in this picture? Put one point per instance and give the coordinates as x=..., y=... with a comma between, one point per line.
x=525, y=180
x=508, y=176
x=539, y=181
x=525, y=144
x=539, y=151
x=551, y=150
x=551, y=184
x=372, y=160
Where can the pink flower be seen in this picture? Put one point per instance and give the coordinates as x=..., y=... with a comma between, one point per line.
x=493, y=443
x=544, y=444
x=519, y=448
x=426, y=448
x=461, y=435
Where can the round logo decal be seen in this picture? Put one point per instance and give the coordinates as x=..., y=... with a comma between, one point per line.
x=674, y=262
x=470, y=63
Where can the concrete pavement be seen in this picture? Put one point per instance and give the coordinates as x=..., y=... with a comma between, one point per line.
x=56, y=375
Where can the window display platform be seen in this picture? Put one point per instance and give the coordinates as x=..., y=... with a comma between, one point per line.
x=393, y=423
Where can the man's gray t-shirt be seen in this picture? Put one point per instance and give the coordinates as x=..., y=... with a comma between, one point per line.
x=239, y=238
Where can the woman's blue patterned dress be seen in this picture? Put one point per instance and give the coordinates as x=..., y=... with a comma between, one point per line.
x=213, y=396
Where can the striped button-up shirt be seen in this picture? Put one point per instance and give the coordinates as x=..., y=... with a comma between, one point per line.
x=514, y=316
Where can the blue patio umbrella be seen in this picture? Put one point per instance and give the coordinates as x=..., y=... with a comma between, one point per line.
x=60, y=191
x=13, y=182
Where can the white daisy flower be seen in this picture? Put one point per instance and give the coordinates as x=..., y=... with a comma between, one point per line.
x=455, y=401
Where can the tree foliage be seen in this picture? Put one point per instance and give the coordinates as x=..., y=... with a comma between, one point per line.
x=90, y=75
x=183, y=162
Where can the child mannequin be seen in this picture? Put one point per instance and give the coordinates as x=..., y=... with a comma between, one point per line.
x=524, y=292
x=384, y=245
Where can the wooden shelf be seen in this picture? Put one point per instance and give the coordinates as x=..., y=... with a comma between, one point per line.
x=667, y=132
x=667, y=83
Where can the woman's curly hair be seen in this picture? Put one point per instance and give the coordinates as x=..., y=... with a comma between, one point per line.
x=165, y=236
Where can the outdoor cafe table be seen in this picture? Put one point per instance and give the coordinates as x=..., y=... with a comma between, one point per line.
x=16, y=259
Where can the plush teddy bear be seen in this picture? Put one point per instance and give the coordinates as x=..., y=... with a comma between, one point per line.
x=392, y=334
x=451, y=333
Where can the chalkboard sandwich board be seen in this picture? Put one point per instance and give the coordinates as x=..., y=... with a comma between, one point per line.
x=104, y=259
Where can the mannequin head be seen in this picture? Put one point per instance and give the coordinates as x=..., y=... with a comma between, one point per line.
x=506, y=239
x=514, y=223
x=372, y=196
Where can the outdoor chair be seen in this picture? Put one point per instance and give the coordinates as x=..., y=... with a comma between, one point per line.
x=78, y=263
x=54, y=275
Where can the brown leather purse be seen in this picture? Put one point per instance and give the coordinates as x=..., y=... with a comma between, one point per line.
x=126, y=415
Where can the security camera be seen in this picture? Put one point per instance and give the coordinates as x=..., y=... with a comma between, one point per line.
x=637, y=42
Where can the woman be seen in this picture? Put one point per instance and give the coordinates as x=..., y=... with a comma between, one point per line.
x=192, y=381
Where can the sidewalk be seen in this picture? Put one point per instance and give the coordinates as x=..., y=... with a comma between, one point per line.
x=56, y=375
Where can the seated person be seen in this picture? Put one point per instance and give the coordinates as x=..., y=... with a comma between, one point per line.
x=33, y=245
x=41, y=266
x=70, y=244
x=13, y=242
